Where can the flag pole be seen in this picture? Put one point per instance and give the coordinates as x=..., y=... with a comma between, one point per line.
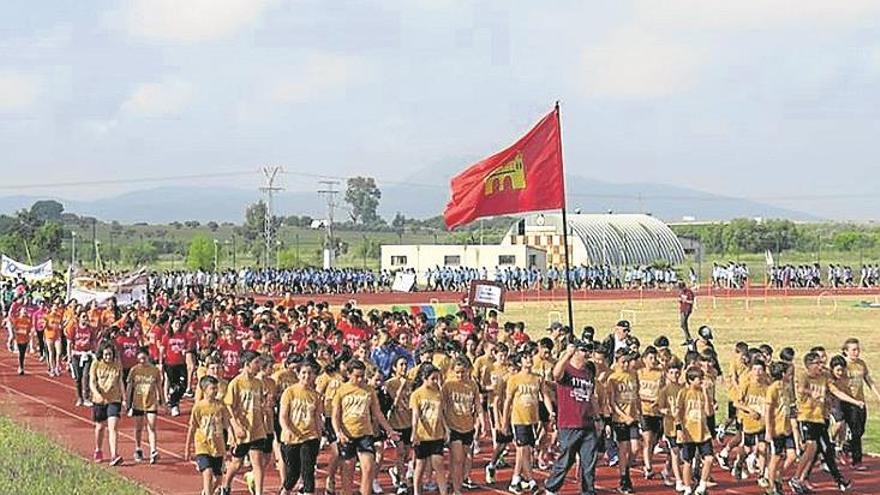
x=565, y=226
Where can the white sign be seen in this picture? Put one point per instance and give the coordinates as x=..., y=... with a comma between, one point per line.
x=486, y=294
x=403, y=282
x=124, y=295
x=13, y=269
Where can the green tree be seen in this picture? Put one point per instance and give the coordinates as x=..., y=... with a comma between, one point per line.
x=141, y=253
x=253, y=229
x=200, y=255
x=398, y=222
x=47, y=209
x=46, y=242
x=363, y=195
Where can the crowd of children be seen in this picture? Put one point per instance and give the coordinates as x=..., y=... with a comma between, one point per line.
x=275, y=384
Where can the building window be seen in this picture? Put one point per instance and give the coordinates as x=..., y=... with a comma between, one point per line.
x=506, y=259
x=452, y=260
x=398, y=260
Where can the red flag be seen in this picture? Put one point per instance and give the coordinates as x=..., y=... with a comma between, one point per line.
x=527, y=176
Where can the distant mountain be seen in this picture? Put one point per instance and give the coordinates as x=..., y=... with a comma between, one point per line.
x=418, y=197
x=426, y=192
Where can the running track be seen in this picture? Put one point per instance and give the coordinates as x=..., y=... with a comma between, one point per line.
x=46, y=405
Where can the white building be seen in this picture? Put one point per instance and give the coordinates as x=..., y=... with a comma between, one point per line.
x=598, y=239
x=420, y=257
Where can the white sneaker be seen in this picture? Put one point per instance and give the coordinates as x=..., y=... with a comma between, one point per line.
x=377, y=490
x=752, y=464
x=175, y=411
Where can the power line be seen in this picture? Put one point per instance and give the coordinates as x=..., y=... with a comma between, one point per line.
x=250, y=172
x=269, y=189
x=329, y=192
x=99, y=182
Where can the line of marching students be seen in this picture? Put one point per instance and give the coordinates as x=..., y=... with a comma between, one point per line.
x=284, y=383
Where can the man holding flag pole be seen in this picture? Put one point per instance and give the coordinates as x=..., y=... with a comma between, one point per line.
x=528, y=176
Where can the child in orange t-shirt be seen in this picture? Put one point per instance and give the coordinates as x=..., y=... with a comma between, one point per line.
x=19, y=326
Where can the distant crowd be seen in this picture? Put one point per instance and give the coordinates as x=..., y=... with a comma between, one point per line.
x=810, y=276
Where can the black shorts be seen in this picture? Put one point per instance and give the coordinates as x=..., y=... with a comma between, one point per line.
x=673, y=443
x=812, y=432
x=267, y=444
x=623, y=432
x=135, y=413
x=781, y=444
x=543, y=413
x=329, y=433
x=524, y=435
x=752, y=439
x=654, y=424
x=466, y=439
x=350, y=450
x=380, y=436
x=501, y=438
x=101, y=412
x=276, y=426
x=405, y=435
x=689, y=450
x=241, y=450
x=215, y=464
x=425, y=450
x=731, y=411
x=710, y=423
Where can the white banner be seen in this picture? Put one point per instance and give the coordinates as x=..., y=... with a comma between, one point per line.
x=403, y=282
x=13, y=269
x=124, y=295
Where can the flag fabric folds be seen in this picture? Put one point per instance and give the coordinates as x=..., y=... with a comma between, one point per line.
x=527, y=176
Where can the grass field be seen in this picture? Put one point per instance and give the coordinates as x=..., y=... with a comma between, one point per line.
x=33, y=464
x=799, y=322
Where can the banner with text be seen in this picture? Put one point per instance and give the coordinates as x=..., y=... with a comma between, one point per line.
x=14, y=269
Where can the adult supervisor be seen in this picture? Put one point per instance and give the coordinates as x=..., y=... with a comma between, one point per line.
x=577, y=419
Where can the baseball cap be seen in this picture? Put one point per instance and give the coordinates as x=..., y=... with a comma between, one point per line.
x=623, y=324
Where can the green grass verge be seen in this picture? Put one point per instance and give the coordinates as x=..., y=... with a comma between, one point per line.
x=33, y=464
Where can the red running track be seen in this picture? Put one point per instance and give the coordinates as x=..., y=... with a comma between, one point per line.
x=754, y=291
x=46, y=405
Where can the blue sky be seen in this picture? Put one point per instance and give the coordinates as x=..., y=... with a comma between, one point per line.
x=775, y=100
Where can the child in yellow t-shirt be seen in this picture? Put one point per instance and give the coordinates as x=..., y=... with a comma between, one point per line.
x=301, y=419
x=428, y=427
x=523, y=393
x=777, y=409
x=207, y=422
x=692, y=408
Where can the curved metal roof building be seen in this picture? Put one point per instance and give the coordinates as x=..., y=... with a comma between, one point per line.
x=613, y=239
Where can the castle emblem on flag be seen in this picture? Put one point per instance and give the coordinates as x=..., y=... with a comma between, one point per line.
x=513, y=170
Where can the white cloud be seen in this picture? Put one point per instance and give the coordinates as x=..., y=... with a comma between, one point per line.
x=755, y=14
x=18, y=90
x=188, y=20
x=635, y=65
x=321, y=75
x=158, y=99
